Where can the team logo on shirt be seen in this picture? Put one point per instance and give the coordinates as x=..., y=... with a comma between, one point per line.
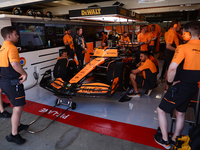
x=22, y=61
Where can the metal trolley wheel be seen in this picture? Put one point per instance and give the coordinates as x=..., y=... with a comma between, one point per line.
x=73, y=105
x=58, y=102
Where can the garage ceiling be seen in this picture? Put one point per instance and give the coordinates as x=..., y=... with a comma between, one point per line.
x=153, y=9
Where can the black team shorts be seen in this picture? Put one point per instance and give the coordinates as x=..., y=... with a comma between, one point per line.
x=142, y=82
x=17, y=98
x=180, y=99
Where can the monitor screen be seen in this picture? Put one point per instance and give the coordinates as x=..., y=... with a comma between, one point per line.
x=30, y=34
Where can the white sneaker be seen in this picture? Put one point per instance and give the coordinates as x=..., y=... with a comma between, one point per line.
x=148, y=92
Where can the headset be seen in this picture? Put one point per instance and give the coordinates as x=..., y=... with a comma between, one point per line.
x=175, y=25
x=186, y=36
x=48, y=14
x=39, y=14
x=17, y=11
x=30, y=12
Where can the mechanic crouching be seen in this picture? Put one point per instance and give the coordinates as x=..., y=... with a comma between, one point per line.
x=145, y=75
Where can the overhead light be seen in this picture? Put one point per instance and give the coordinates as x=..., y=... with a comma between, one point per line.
x=149, y=1
x=110, y=18
x=166, y=21
x=55, y=1
x=187, y=4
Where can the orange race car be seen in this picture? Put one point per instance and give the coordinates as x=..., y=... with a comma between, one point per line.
x=107, y=71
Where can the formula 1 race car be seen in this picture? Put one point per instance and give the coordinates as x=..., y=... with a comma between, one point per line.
x=107, y=71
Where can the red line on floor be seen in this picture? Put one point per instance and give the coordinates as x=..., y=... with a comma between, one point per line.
x=116, y=129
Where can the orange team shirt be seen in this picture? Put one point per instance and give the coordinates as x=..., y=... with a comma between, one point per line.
x=190, y=53
x=148, y=64
x=68, y=38
x=125, y=39
x=8, y=51
x=143, y=38
x=153, y=60
x=152, y=35
x=172, y=38
x=8, y=54
x=104, y=37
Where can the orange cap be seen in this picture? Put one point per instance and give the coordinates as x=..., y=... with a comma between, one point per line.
x=65, y=32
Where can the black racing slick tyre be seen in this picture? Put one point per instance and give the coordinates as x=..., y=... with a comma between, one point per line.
x=121, y=70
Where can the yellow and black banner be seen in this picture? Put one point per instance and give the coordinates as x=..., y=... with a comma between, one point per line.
x=112, y=10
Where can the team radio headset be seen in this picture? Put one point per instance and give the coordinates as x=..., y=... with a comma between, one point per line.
x=17, y=11
x=186, y=35
x=30, y=12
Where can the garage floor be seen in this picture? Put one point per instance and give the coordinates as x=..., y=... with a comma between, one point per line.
x=96, y=124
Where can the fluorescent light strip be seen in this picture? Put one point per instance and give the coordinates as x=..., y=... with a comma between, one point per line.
x=106, y=19
x=17, y=2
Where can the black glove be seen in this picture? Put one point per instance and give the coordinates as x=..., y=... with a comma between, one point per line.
x=141, y=43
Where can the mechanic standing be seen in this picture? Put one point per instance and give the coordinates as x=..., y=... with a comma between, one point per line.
x=180, y=93
x=69, y=45
x=143, y=39
x=3, y=113
x=172, y=41
x=80, y=46
x=11, y=81
x=153, y=36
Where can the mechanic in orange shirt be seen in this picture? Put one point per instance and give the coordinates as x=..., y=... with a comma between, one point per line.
x=68, y=42
x=64, y=55
x=172, y=42
x=11, y=81
x=148, y=80
x=103, y=46
x=144, y=39
x=104, y=38
x=180, y=93
x=153, y=35
x=124, y=38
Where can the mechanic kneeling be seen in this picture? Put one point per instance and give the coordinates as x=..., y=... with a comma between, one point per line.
x=148, y=78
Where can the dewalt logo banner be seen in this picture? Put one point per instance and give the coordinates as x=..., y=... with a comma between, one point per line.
x=89, y=12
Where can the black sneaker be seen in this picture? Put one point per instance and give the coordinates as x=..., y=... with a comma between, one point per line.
x=172, y=142
x=5, y=104
x=22, y=127
x=148, y=92
x=16, y=139
x=133, y=94
x=5, y=114
x=160, y=141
